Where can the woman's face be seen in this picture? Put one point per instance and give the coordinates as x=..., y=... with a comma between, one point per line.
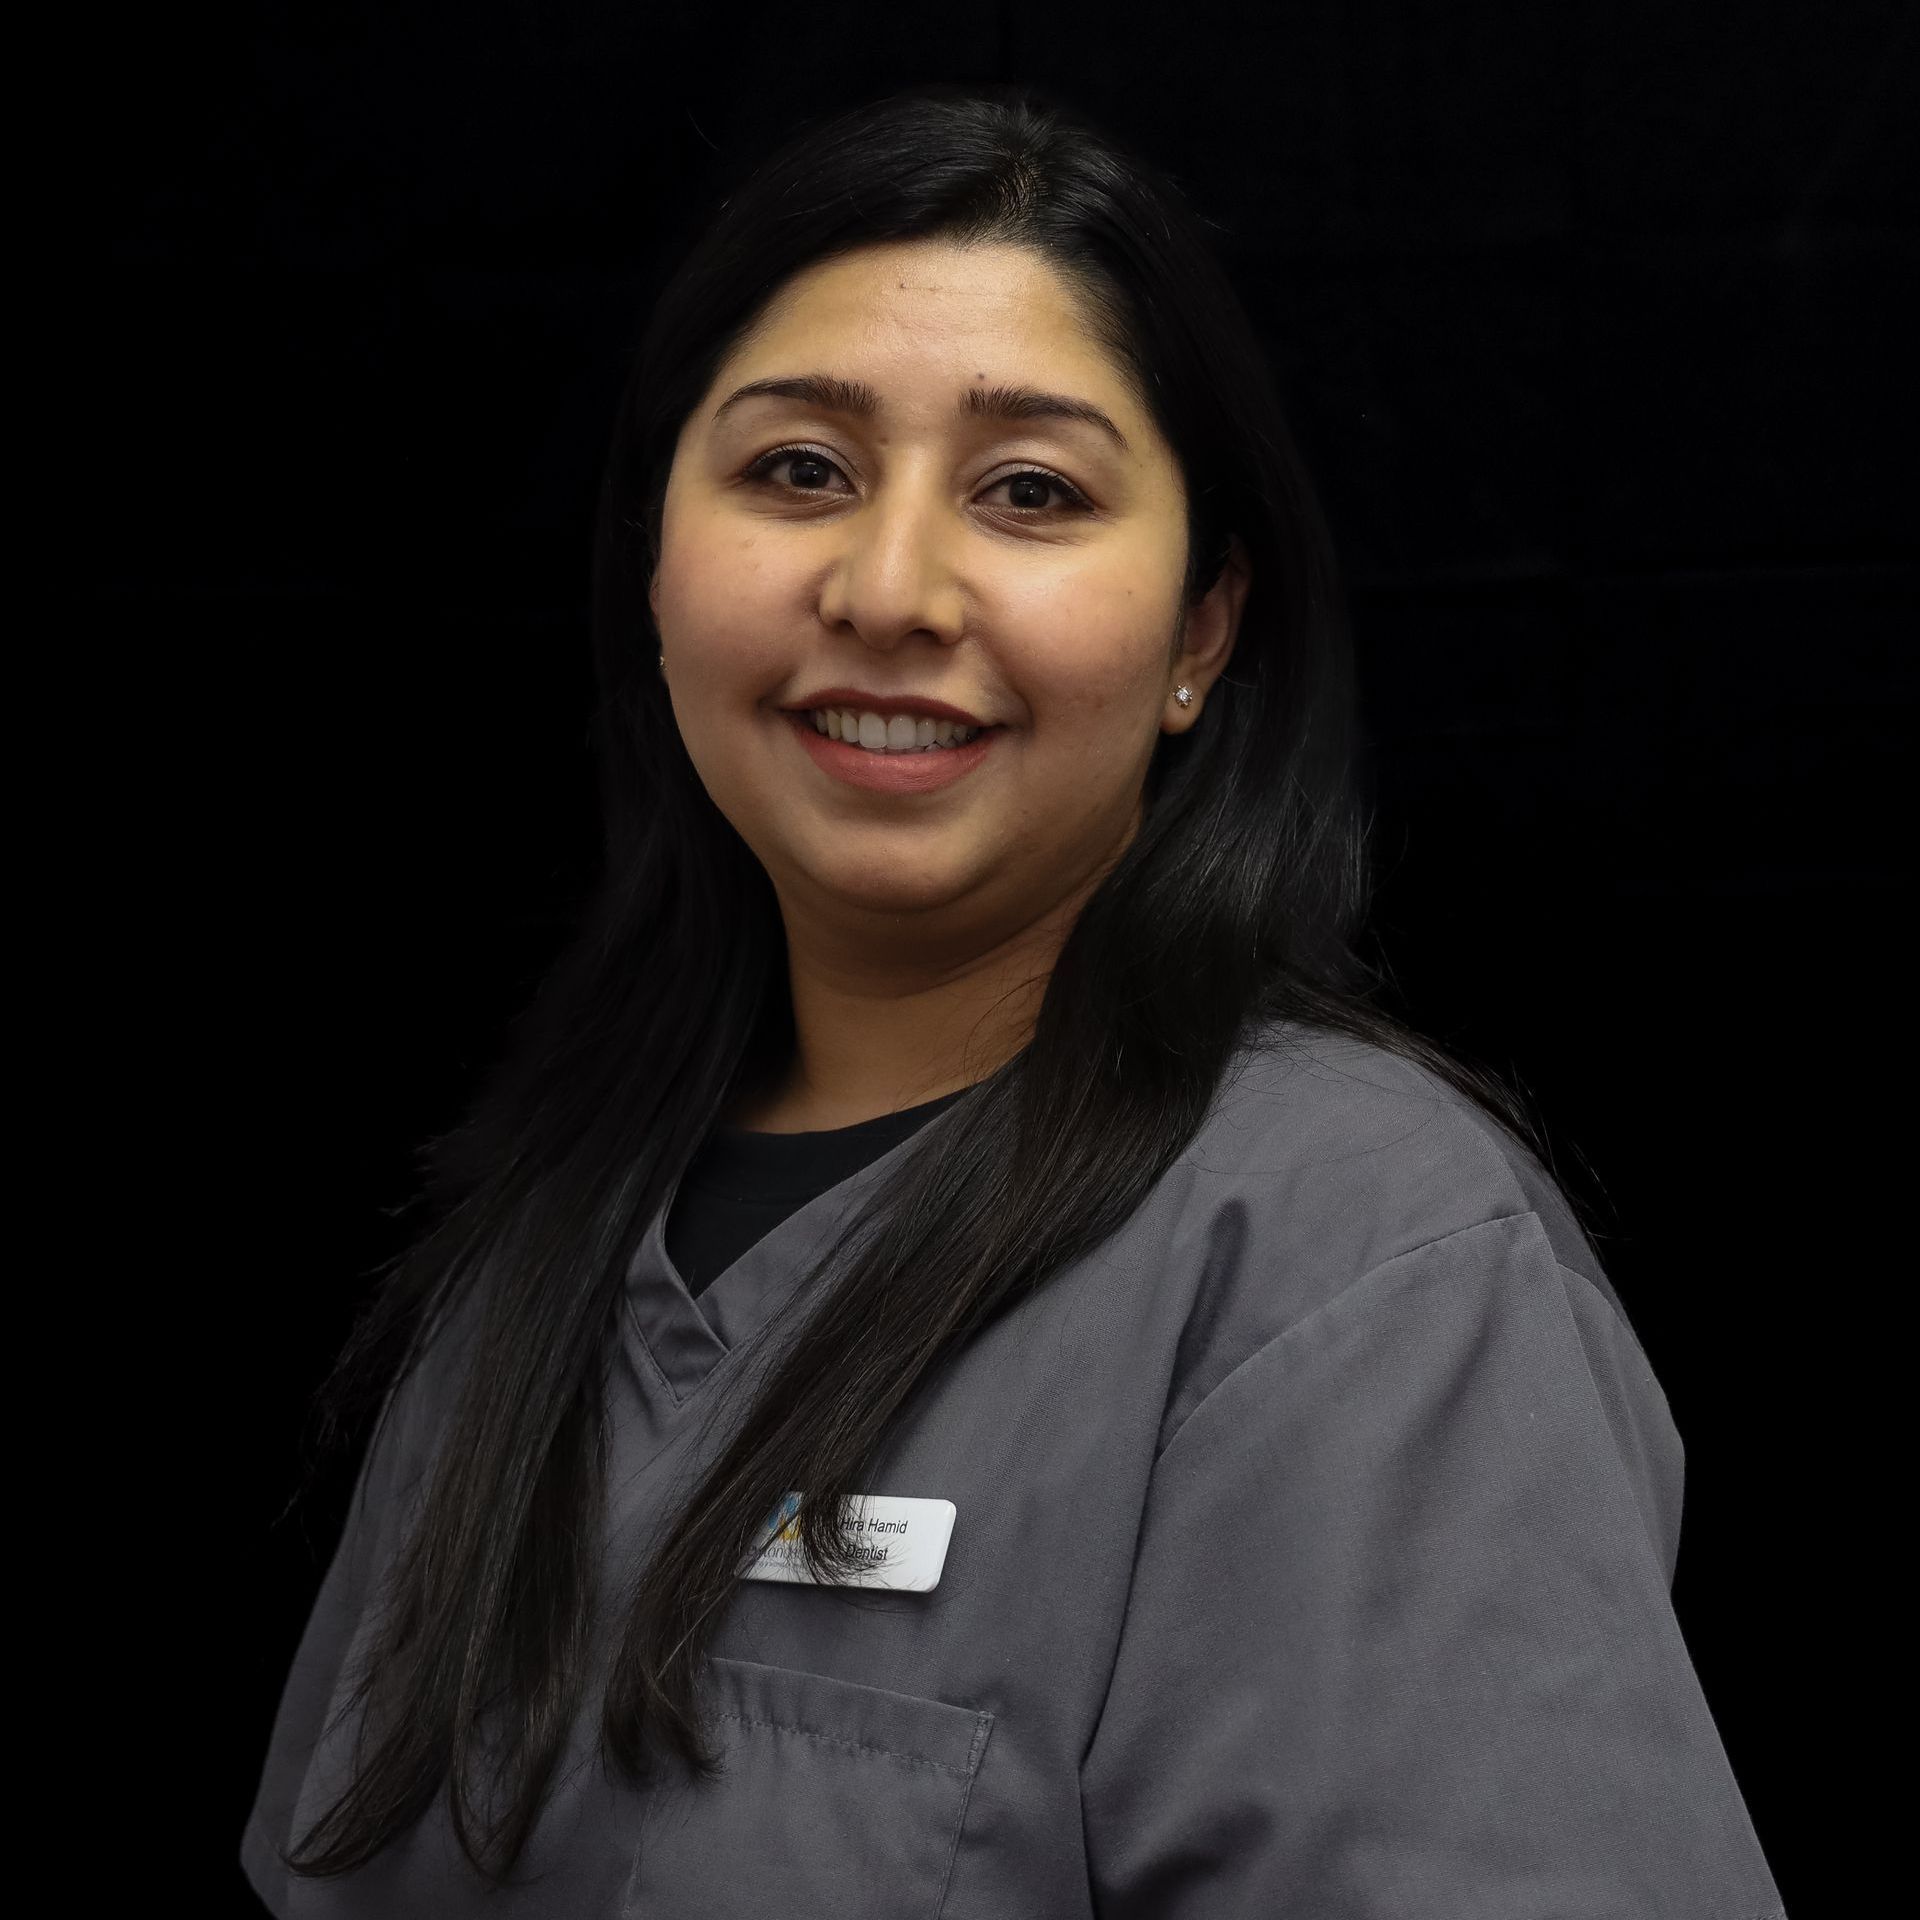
x=897, y=537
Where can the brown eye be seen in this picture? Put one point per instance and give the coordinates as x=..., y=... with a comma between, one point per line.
x=1036, y=479
x=802, y=461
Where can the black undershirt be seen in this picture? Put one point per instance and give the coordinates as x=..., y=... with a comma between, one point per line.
x=741, y=1184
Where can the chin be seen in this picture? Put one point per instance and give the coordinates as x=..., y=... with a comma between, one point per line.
x=882, y=885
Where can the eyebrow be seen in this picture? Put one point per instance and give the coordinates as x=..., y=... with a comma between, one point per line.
x=834, y=395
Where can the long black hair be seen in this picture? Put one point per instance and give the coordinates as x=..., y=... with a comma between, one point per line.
x=1237, y=903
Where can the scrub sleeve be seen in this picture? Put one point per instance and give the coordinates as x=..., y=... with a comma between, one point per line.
x=1399, y=1638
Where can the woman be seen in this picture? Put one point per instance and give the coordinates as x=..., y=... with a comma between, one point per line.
x=963, y=1367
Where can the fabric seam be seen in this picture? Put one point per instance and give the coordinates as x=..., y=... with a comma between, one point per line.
x=982, y=1727
x=646, y=1347
x=1306, y=1320
x=1632, y=1333
x=852, y=1746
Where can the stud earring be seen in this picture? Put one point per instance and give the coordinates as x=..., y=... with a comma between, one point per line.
x=663, y=663
x=1184, y=695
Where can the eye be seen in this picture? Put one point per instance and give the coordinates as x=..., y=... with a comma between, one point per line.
x=802, y=457
x=806, y=459
x=1030, y=477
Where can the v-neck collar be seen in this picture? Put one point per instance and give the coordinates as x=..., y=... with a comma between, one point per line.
x=679, y=1341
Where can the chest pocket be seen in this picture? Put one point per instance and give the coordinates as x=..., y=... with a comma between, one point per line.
x=836, y=1800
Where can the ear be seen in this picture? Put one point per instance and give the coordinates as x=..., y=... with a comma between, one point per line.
x=1213, y=625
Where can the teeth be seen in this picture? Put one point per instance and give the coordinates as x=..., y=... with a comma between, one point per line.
x=903, y=733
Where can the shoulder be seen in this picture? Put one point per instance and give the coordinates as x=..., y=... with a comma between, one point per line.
x=1324, y=1158
x=1375, y=1147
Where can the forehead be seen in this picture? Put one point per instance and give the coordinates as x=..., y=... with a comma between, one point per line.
x=921, y=319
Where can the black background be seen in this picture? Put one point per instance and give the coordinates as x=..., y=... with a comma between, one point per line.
x=1595, y=324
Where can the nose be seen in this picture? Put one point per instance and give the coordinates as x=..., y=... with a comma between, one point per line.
x=893, y=579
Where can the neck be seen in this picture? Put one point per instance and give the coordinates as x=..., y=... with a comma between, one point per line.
x=877, y=1030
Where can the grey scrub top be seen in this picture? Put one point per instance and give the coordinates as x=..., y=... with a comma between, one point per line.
x=1312, y=1557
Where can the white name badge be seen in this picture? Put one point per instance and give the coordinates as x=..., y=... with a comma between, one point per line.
x=902, y=1544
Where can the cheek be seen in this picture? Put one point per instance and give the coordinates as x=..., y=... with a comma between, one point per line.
x=716, y=606
x=1102, y=662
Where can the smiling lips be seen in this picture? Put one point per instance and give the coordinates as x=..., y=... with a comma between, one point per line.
x=913, y=766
